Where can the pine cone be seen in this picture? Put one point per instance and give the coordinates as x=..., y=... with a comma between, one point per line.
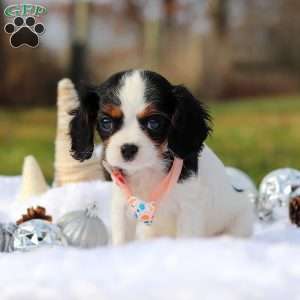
x=294, y=210
x=35, y=213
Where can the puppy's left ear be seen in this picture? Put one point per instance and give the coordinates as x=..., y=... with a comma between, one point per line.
x=190, y=124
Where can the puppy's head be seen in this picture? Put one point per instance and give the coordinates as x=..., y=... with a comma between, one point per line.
x=140, y=117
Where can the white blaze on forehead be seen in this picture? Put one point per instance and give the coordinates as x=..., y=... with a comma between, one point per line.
x=131, y=95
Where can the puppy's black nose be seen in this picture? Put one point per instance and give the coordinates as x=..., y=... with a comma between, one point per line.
x=129, y=151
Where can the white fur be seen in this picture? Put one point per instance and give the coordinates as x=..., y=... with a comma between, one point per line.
x=203, y=205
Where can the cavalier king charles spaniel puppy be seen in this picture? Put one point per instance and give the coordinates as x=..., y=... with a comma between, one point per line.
x=145, y=122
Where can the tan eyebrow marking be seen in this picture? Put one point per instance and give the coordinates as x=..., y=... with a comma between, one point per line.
x=149, y=110
x=113, y=111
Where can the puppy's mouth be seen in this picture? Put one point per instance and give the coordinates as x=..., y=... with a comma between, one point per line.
x=125, y=170
x=110, y=169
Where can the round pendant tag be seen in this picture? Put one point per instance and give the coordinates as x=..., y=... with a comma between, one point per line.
x=143, y=211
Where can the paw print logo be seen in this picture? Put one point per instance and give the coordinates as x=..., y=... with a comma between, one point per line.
x=24, y=32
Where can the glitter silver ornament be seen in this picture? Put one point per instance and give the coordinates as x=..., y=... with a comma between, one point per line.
x=36, y=233
x=84, y=228
x=241, y=181
x=6, y=237
x=274, y=193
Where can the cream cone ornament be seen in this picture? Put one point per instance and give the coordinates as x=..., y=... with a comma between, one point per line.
x=33, y=181
x=67, y=169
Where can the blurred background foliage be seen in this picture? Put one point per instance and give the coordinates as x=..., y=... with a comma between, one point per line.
x=241, y=56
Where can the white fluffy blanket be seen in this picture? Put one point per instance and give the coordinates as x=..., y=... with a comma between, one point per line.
x=266, y=266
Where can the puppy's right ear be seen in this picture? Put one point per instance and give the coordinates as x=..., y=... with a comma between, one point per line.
x=82, y=126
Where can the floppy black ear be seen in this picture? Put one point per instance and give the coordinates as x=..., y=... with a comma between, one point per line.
x=82, y=126
x=190, y=124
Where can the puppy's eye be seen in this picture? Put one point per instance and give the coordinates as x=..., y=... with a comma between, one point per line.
x=154, y=123
x=106, y=124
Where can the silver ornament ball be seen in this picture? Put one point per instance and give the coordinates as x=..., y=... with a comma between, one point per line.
x=84, y=228
x=6, y=237
x=36, y=233
x=275, y=192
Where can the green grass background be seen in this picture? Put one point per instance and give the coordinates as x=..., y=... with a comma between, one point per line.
x=255, y=135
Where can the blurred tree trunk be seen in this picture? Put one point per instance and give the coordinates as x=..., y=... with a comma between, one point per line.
x=170, y=8
x=288, y=28
x=218, y=11
x=80, y=27
x=2, y=47
x=152, y=33
x=216, y=52
x=151, y=43
x=4, y=44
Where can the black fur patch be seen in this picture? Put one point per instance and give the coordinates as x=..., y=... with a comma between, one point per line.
x=107, y=90
x=189, y=121
x=190, y=124
x=85, y=120
x=82, y=126
x=159, y=92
